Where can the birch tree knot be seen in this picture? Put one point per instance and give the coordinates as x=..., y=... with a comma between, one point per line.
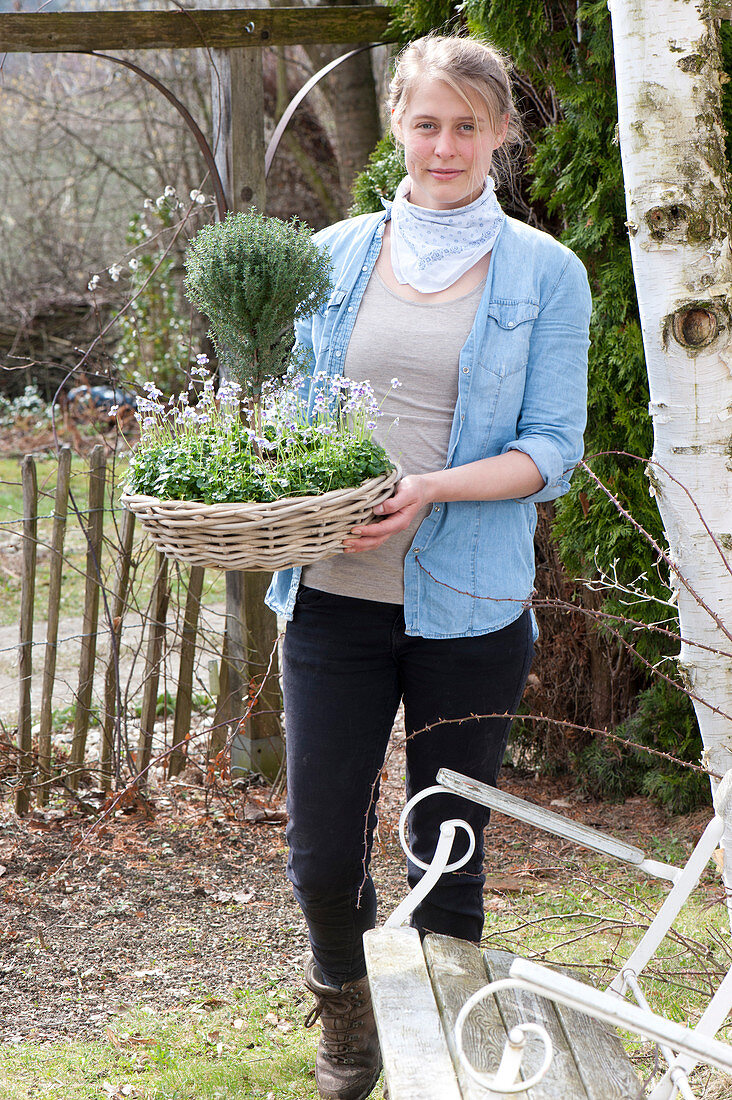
x=664, y=220
x=695, y=326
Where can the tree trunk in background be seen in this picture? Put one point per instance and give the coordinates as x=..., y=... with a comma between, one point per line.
x=351, y=92
x=251, y=628
x=668, y=72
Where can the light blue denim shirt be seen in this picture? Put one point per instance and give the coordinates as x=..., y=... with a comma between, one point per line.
x=522, y=386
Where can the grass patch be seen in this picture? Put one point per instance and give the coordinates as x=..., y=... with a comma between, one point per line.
x=592, y=917
x=254, y=1046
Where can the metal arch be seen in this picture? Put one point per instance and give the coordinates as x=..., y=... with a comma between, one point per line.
x=295, y=102
x=222, y=205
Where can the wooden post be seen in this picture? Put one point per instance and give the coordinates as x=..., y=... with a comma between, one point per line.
x=251, y=628
x=155, y=639
x=182, y=719
x=111, y=678
x=260, y=748
x=60, y=510
x=94, y=529
x=220, y=730
x=25, y=656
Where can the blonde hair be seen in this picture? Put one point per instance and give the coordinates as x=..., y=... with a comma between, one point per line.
x=470, y=67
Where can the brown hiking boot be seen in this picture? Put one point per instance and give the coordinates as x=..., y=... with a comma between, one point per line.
x=348, y=1062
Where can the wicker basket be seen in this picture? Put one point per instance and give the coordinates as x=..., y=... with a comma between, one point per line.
x=287, y=532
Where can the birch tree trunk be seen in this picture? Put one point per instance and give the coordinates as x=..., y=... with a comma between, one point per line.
x=669, y=76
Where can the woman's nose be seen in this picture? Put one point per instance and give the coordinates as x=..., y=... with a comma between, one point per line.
x=445, y=144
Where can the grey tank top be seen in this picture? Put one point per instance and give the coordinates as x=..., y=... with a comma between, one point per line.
x=418, y=343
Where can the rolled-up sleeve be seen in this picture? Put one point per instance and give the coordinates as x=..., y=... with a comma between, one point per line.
x=554, y=410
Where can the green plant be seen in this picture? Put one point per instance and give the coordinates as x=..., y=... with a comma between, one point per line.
x=253, y=277
x=29, y=406
x=298, y=448
x=155, y=337
x=379, y=179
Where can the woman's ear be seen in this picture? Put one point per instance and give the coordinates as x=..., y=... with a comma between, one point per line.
x=501, y=136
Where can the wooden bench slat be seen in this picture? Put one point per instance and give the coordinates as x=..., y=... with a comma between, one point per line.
x=417, y=1061
x=601, y=1059
x=519, y=1006
x=457, y=971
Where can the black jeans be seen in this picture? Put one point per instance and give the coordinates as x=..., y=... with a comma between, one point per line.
x=347, y=664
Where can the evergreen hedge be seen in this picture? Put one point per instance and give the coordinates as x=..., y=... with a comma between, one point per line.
x=573, y=187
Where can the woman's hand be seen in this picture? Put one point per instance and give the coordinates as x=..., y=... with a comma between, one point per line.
x=398, y=512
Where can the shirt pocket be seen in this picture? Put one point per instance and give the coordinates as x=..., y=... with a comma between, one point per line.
x=508, y=335
x=328, y=318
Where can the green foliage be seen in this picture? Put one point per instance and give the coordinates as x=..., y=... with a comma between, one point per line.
x=217, y=473
x=380, y=178
x=725, y=35
x=253, y=276
x=28, y=407
x=663, y=719
x=210, y=452
x=575, y=185
x=155, y=341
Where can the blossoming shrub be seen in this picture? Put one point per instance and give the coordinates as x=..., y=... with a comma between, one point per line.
x=311, y=438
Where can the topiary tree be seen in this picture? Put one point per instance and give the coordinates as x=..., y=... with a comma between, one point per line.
x=253, y=277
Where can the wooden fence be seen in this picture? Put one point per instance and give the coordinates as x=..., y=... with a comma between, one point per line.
x=125, y=581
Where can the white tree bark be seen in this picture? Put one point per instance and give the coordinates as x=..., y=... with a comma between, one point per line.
x=668, y=73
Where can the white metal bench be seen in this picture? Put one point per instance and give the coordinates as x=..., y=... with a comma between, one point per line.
x=456, y=1023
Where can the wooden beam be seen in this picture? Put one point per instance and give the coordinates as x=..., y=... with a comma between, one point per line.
x=78, y=32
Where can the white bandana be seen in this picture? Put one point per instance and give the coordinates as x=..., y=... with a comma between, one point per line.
x=431, y=249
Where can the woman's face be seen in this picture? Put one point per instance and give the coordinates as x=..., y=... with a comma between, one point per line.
x=447, y=157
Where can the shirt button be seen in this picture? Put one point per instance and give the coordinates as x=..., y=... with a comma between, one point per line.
x=350, y=309
x=437, y=507
x=338, y=354
x=511, y=324
x=462, y=416
x=466, y=370
x=364, y=268
x=416, y=549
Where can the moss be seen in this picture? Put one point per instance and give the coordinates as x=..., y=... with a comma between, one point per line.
x=691, y=63
x=725, y=541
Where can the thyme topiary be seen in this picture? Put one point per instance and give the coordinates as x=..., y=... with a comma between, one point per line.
x=254, y=276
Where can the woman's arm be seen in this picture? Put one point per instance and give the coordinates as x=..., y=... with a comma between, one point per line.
x=503, y=477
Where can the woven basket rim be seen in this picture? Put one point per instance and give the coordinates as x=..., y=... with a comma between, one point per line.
x=141, y=499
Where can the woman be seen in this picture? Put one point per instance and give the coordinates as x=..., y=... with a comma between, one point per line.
x=484, y=322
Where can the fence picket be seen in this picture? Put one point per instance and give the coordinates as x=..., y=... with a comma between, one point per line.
x=94, y=531
x=25, y=656
x=153, y=655
x=111, y=678
x=183, y=698
x=58, y=535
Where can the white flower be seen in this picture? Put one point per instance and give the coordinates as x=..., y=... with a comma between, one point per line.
x=114, y=272
x=134, y=264
x=114, y=410
x=149, y=204
x=160, y=201
x=169, y=192
x=93, y=283
x=197, y=196
x=395, y=383
x=202, y=360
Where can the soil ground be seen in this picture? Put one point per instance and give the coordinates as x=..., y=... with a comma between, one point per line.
x=184, y=895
